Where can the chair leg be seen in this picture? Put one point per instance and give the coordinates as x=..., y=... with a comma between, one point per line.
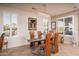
x=0, y=48
x=6, y=46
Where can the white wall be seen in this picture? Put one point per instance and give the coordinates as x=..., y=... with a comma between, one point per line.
x=76, y=27
x=22, y=20
x=0, y=23
x=23, y=24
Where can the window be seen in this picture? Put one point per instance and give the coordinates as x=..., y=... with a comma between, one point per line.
x=10, y=24
x=60, y=26
x=46, y=25
x=64, y=25
x=68, y=26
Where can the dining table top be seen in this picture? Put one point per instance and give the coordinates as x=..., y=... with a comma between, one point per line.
x=37, y=39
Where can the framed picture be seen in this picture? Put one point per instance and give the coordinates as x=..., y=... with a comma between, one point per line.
x=53, y=25
x=32, y=23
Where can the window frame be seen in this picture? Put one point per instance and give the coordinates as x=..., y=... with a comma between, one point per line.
x=11, y=17
x=64, y=24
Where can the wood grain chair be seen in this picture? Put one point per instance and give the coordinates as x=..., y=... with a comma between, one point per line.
x=56, y=46
x=31, y=36
x=47, y=44
x=2, y=43
x=31, y=39
x=39, y=34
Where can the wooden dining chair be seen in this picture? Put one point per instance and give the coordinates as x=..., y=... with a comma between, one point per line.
x=2, y=43
x=47, y=44
x=39, y=34
x=31, y=36
x=56, y=46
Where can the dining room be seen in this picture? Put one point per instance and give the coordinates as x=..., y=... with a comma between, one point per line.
x=39, y=29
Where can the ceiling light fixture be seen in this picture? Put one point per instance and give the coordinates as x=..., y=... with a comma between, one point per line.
x=34, y=8
x=75, y=7
x=44, y=5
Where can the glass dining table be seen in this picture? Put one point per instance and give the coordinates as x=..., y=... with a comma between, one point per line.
x=36, y=40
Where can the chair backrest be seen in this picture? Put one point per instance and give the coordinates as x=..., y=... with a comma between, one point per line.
x=56, y=47
x=39, y=34
x=32, y=35
x=47, y=44
x=1, y=40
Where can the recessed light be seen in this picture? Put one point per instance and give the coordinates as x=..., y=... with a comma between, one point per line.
x=75, y=7
x=44, y=5
x=33, y=8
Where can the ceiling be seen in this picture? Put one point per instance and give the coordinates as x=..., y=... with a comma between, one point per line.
x=48, y=8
